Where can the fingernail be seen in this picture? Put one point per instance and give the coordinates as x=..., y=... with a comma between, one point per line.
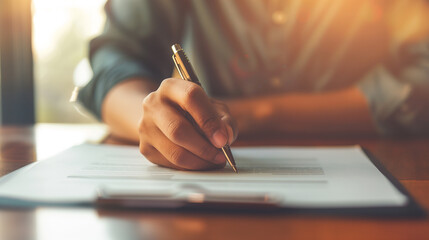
x=220, y=158
x=230, y=134
x=219, y=139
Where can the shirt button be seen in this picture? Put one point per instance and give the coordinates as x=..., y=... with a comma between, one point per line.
x=275, y=82
x=278, y=17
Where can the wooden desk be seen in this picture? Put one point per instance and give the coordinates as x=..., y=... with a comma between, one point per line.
x=406, y=159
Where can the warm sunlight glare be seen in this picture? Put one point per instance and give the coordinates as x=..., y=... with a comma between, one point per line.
x=51, y=18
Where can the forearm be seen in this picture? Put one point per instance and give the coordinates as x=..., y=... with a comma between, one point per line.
x=340, y=112
x=122, y=107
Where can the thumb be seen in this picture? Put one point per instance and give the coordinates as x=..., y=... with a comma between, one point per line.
x=231, y=128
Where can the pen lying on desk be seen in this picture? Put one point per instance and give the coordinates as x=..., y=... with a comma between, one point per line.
x=187, y=73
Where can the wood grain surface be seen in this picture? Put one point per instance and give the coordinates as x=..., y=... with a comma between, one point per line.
x=406, y=158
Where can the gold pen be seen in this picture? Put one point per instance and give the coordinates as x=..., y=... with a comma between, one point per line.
x=187, y=73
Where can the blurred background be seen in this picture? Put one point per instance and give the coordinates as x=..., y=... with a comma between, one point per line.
x=43, y=55
x=61, y=32
x=44, y=46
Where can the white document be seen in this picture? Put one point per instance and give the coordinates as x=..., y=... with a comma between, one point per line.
x=298, y=176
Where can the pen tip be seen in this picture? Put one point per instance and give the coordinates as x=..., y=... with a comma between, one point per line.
x=228, y=154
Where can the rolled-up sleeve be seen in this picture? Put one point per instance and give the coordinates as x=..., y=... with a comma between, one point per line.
x=135, y=43
x=398, y=92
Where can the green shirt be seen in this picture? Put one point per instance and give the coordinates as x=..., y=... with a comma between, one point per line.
x=247, y=48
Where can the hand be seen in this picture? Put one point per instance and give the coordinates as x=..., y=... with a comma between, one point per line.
x=169, y=139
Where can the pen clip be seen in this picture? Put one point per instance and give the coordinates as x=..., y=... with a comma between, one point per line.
x=183, y=73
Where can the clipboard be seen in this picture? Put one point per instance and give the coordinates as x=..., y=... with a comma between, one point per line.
x=195, y=198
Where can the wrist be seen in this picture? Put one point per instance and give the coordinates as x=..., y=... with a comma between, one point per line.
x=251, y=115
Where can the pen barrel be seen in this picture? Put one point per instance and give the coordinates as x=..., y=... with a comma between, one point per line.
x=184, y=67
x=186, y=71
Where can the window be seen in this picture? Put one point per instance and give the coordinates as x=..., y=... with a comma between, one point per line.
x=61, y=33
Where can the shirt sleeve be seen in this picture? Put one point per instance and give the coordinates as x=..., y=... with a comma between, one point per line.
x=398, y=92
x=135, y=42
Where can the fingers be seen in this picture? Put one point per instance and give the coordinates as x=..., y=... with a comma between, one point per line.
x=171, y=138
x=231, y=127
x=166, y=153
x=192, y=98
x=181, y=132
x=230, y=123
x=156, y=157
